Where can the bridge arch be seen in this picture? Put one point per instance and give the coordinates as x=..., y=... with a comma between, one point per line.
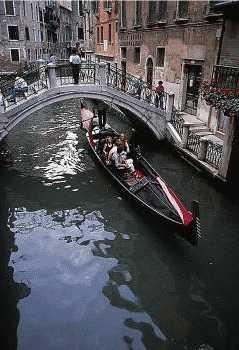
x=154, y=118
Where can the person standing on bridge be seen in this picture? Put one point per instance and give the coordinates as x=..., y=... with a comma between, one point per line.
x=75, y=62
x=159, y=99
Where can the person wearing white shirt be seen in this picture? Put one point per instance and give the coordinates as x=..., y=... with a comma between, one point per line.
x=75, y=62
x=20, y=87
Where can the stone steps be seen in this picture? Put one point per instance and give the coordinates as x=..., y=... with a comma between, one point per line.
x=196, y=129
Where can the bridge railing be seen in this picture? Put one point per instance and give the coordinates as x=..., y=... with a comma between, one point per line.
x=36, y=79
x=135, y=87
x=88, y=73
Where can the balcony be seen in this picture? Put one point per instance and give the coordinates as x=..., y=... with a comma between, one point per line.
x=226, y=79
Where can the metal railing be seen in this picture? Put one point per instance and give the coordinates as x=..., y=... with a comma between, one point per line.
x=214, y=154
x=226, y=78
x=193, y=142
x=87, y=74
x=177, y=122
x=135, y=87
x=36, y=80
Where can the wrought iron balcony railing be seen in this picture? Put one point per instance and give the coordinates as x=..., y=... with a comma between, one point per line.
x=226, y=79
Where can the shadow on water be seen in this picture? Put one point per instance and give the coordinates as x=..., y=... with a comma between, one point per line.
x=10, y=291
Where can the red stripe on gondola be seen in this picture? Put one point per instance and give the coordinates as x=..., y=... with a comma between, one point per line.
x=185, y=215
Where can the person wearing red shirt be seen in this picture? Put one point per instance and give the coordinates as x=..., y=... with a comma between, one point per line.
x=159, y=95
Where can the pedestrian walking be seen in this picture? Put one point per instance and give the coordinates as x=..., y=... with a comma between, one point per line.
x=75, y=62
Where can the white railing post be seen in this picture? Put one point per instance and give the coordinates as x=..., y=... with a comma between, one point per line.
x=202, y=150
x=51, y=69
x=185, y=135
x=169, y=106
x=102, y=73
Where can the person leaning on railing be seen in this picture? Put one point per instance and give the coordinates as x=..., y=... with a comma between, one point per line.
x=75, y=62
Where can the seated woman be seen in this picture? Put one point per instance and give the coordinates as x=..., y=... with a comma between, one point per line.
x=121, y=162
x=124, y=141
x=108, y=145
x=113, y=150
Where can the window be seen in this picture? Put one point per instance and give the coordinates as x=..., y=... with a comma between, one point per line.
x=42, y=36
x=80, y=8
x=116, y=7
x=107, y=5
x=32, y=11
x=13, y=33
x=182, y=9
x=24, y=8
x=157, y=11
x=116, y=27
x=9, y=8
x=160, y=54
x=40, y=15
x=124, y=52
x=34, y=34
x=80, y=33
x=101, y=34
x=36, y=54
x=29, y=54
x=94, y=6
x=137, y=55
x=110, y=33
x=15, y=55
x=98, y=34
x=37, y=13
x=138, y=15
x=123, y=21
x=27, y=35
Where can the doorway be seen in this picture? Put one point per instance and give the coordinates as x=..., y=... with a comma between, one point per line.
x=193, y=75
x=149, y=72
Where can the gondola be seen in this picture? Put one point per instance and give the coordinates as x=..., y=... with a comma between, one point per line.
x=146, y=187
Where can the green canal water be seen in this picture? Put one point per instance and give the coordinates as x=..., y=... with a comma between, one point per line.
x=82, y=269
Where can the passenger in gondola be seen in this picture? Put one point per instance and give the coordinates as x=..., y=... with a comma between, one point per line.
x=117, y=142
x=124, y=141
x=108, y=145
x=121, y=162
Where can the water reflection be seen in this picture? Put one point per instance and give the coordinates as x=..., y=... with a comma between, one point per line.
x=99, y=272
x=10, y=290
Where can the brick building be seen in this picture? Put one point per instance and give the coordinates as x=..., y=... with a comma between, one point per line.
x=173, y=41
x=106, y=30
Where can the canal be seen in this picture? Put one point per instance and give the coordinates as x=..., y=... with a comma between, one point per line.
x=82, y=268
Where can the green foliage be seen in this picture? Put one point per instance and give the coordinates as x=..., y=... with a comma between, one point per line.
x=226, y=100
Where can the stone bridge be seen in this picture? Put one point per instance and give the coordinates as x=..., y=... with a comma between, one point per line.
x=98, y=82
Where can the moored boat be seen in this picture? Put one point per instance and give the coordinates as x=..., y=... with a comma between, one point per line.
x=145, y=186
